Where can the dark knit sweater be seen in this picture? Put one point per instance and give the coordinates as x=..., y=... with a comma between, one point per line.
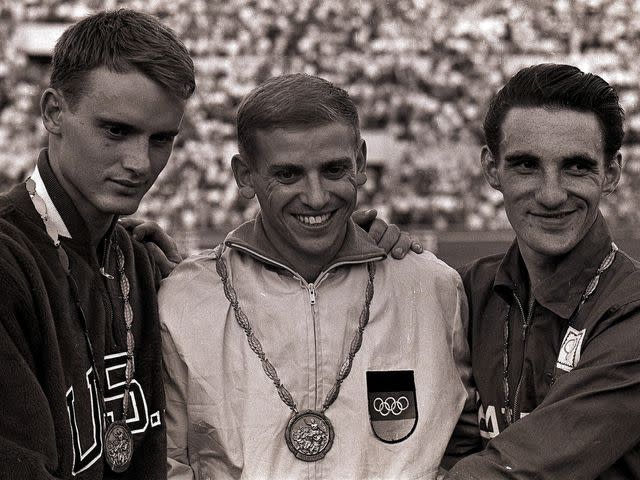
x=50, y=416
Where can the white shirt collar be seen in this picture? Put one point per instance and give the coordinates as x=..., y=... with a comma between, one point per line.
x=52, y=211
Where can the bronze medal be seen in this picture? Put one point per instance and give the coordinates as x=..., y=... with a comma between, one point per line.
x=309, y=435
x=118, y=444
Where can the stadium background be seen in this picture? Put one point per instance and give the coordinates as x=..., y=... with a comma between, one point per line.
x=420, y=71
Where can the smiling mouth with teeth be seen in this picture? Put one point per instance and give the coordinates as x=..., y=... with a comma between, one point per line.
x=313, y=219
x=554, y=216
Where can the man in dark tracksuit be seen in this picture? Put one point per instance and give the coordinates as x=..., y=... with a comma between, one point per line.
x=80, y=359
x=555, y=322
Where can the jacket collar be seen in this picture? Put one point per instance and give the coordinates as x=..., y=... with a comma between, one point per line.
x=561, y=292
x=250, y=237
x=52, y=211
x=65, y=209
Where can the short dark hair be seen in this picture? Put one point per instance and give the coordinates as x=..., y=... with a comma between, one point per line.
x=294, y=101
x=557, y=86
x=122, y=41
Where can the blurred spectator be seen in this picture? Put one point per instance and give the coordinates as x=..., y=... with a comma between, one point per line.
x=422, y=70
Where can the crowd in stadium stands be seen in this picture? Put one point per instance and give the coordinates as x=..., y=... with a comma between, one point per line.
x=421, y=70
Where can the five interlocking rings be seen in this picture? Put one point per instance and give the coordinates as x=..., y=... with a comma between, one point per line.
x=390, y=405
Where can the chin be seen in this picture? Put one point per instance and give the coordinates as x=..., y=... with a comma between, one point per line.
x=555, y=249
x=121, y=209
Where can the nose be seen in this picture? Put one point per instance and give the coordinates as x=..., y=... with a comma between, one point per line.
x=315, y=194
x=136, y=157
x=551, y=193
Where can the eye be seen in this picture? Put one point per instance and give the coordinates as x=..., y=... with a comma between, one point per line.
x=286, y=175
x=527, y=164
x=335, y=171
x=116, y=131
x=162, y=138
x=579, y=167
x=524, y=165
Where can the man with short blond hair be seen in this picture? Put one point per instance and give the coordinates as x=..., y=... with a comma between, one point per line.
x=294, y=349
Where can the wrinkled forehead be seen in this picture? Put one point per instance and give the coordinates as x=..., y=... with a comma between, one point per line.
x=299, y=145
x=543, y=131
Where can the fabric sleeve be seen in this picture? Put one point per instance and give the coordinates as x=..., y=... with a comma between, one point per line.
x=589, y=419
x=176, y=393
x=465, y=439
x=27, y=430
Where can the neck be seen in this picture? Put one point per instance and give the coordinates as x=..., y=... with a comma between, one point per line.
x=308, y=272
x=97, y=222
x=539, y=267
x=308, y=266
x=98, y=234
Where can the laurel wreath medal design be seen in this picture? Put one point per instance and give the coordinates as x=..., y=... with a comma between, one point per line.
x=118, y=439
x=118, y=442
x=309, y=435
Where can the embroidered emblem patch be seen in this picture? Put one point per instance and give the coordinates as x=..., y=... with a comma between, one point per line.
x=393, y=412
x=570, y=349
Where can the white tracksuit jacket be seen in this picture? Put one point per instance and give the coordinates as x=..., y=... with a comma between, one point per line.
x=225, y=419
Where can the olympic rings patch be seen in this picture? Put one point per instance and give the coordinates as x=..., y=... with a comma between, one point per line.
x=390, y=405
x=393, y=409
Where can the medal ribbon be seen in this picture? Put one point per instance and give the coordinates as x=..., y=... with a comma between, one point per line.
x=52, y=231
x=270, y=370
x=509, y=412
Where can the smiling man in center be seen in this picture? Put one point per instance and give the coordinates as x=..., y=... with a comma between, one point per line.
x=295, y=350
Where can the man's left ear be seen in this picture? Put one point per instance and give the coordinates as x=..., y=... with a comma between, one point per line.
x=612, y=174
x=361, y=164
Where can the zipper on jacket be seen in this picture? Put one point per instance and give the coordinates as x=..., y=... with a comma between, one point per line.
x=106, y=289
x=312, y=293
x=311, y=290
x=525, y=327
x=105, y=256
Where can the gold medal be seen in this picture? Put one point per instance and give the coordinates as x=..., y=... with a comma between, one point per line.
x=309, y=435
x=118, y=446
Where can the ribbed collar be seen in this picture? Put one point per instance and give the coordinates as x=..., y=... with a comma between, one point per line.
x=357, y=247
x=561, y=292
x=67, y=210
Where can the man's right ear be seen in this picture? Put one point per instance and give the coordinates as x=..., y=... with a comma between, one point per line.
x=490, y=168
x=52, y=104
x=242, y=173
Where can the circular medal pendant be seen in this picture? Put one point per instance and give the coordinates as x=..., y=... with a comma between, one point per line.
x=309, y=435
x=118, y=446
